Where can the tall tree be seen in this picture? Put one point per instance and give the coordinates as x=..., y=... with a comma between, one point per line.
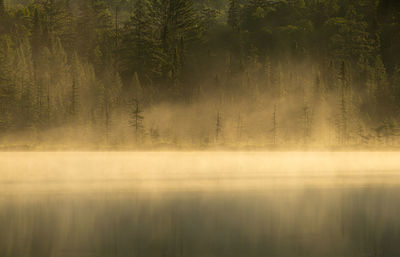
x=343, y=121
x=178, y=29
x=7, y=89
x=218, y=127
x=274, y=129
x=234, y=15
x=2, y=8
x=136, y=120
x=139, y=45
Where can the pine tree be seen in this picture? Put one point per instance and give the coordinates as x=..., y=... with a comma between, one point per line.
x=117, y=29
x=137, y=87
x=343, y=126
x=279, y=88
x=136, y=120
x=60, y=78
x=234, y=15
x=239, y=128
x=343, y=76
x=274, y=129
x=307, y=122
x=96, y=35
x=318, y=89
x=2, y=17
x=111, y=97
x=396, y=86
x=7, y=89
x=74, y=98
x=380, y=77
x=218, y=127
x=36, y=36
x=343, y=120
x=2, y=8
x=267, y=73
x=25, y=87
x=140, y=52
x=178, y=28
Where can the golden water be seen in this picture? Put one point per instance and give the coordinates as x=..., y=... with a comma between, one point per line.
x=200, y=204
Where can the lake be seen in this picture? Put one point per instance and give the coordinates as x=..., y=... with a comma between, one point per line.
x=178, y=204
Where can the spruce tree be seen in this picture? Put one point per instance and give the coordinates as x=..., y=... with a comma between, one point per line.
x=218, y=127
x=307, y=122
x=36, y=38
x=74, y=98
x=234, y=15
x=7, y=89
x=136, y=120
x=178, y=28
x=239, y=128
x=274, y=129
x=138, y=44
x=2, y=8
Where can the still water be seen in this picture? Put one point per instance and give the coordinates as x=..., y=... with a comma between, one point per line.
x=199, y=204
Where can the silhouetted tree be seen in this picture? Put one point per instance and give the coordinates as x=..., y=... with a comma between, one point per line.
x=218, y=127
x=136, y=120
x=274, y=129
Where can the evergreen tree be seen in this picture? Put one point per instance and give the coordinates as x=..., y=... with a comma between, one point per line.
x=380, y=77
x=36, y=38
x=68, y=60
x=343, y=121
x=136, y=120
x=274, y=129
x=218, y=127
x=234, y=15
x=239, y=128
x=2, y=8
x=111, y=97
x=95, y=28
x=7, y=89
x=178, y=28
x=139, y=49
x=74, y=99
x=307, y=123
x=27, y=115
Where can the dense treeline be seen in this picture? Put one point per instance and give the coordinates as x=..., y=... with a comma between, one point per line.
x=198, y=72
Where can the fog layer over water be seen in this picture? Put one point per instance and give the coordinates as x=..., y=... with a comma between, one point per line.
x=199, y=204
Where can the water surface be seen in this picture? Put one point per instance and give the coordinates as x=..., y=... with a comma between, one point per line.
x=200, y=204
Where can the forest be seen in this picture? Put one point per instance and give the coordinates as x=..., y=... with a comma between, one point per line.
x=199, y=74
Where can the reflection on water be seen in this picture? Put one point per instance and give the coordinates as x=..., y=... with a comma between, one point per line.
x=199, y=204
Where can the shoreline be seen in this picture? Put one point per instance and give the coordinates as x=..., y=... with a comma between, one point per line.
x=68, y=148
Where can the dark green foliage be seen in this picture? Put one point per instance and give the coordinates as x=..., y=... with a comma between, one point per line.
x=83, y=60
x=139, y=47
x=136, y=120
x=234, y=15
x=74, y=99
x=2, y=8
